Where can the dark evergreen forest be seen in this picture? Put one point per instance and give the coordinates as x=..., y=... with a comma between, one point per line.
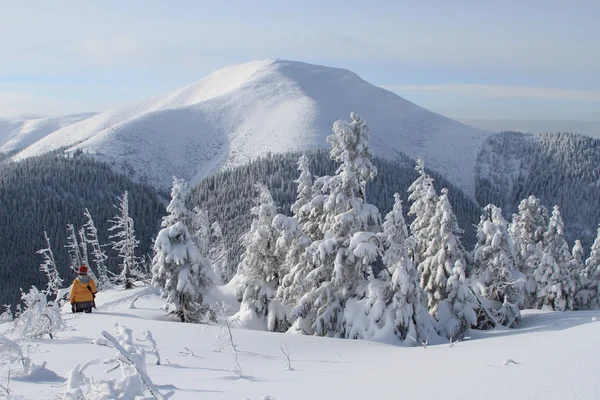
x=45, y=194
x=51, y=191
x=228, y=195
x=558, y=168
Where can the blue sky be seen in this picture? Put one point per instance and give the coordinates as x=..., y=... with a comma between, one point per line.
x=528, y=59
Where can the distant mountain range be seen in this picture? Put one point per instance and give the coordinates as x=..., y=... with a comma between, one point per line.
x=241, y=112
x=18, y=133
x=588, y=128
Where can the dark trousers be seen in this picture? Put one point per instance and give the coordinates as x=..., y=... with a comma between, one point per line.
x=82, y=306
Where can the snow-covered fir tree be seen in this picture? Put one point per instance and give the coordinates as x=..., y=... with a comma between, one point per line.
x=495, y=273
x=83, y=246
x=444, y=273
x=576, y=268
x=305, y=190
x=332, y=267
x=73, y=248
x=589, y=295
x=124, y=241
x=85, y=260
x=201, y=235
x=99, y=256
x=7, y=315
x=393, y=301
x=49, y=268
x=424, y=200
x=292, y=241
x=555, y=287
x=527, y=230
x=259, y=271
x=200, y=229
x=218, y=253
x=178, y=268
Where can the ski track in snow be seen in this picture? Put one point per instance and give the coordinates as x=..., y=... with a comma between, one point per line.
x=552, y=356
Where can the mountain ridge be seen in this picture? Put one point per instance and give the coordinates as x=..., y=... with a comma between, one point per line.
x=18, y=133
x=243, y=111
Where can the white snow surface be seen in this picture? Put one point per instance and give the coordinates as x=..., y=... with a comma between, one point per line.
x=16, y=134
x=240, y=112
x=550, y=357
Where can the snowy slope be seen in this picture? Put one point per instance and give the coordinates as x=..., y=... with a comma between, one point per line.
x=240, y=112
x=19, y=133
x=553, y=356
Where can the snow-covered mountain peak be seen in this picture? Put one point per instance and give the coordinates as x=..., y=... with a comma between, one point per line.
x=240, y=112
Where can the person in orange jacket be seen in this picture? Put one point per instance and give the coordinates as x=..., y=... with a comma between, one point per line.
x=83, y=292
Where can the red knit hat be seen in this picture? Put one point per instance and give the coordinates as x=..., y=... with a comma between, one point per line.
x=83, y=270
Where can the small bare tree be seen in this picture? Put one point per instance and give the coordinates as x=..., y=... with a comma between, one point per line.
x=225, y=337
x=286, y=352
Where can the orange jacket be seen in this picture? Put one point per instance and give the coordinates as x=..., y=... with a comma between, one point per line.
x=79, y=290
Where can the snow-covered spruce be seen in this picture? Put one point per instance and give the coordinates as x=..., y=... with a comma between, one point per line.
x=589, y=294
x=124, y=241
x=555, y=287
x=218, y=253
x=576, y=268
x=424, y=200
x=391, y=306
x=73, y=248
x=305, y=191
x=295, y=233
x=334, y=265
x=443, y=273
x=7, y=315
x=259, y=269
x=495, y=275
x=527, y=230
x=201, y=235
x=99, y=256
x=178, y=267
x=49, y=268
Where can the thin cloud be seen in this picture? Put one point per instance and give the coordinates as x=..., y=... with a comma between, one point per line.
x=497, y=91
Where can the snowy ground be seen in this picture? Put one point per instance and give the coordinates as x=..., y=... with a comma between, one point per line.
x=552, y=356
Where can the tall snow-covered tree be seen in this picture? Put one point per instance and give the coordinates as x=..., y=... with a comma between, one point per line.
x=99, y=256
x=589, y=296
x=527, y=230
x=443, y=272
x=124, y=241
x=178, y=268
x=218, y=253
x=292, y=241
x=49, y=268
x=73, y=248
x=393, y=302
x=576, y=268
x=83, y=246
x=333, y=266
x=201, y=235
x=424, y=200
x=259, y=268
x=305, y=190
x=555, y=287
x=495, y=273
x=200, y=229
